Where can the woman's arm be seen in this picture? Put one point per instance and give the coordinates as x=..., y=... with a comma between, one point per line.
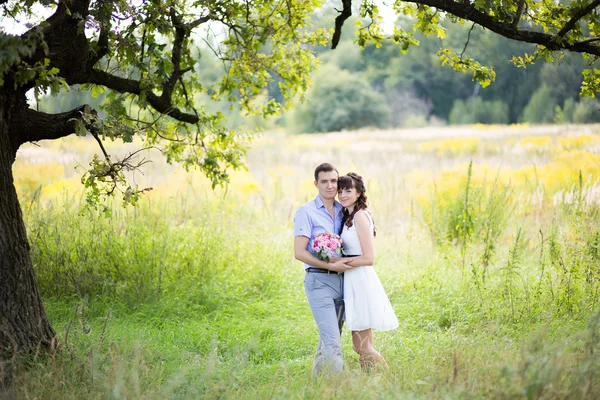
x=301, y=254
x=365, y=236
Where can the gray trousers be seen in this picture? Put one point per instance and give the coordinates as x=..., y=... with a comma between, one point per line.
x=325, y=293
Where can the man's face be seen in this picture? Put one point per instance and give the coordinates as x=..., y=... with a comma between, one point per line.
x=327, y=184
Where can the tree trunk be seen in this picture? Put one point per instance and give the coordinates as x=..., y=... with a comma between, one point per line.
x=24, y=326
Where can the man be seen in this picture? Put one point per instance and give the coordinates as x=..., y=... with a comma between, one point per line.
x=323, y=282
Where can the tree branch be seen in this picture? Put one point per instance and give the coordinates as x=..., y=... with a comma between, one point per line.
x=104, y=21
x=339, y=22
x=125, y=85
x=29, y=125
x=469, y=12
x=102, y=43
x=515, y=22
x=591, y=40
x=94, y=133
x=199, y=21
x=468, y=39
x=180, y=34
x=582, y=12
x=61, y=35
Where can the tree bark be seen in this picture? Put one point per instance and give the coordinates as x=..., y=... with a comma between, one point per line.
x=24, y=326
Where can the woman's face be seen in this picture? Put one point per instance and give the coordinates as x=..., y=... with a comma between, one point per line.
x=348, y=197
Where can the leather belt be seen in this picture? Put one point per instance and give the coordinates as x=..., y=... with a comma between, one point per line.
x=322, y=271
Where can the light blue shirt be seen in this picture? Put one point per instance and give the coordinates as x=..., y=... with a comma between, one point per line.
x=313, y=218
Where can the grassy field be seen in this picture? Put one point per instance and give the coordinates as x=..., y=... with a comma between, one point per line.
x=488, y=246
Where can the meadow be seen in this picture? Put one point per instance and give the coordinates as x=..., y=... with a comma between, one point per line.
x=488, y=247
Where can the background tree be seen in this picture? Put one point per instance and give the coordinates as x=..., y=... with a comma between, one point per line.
x=564, y=35
x=416, y=87
x=340, y=100
x=554, y=27
x=419, y=87
x=145, y=56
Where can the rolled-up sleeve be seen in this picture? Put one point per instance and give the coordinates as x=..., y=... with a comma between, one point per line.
x=302, y=226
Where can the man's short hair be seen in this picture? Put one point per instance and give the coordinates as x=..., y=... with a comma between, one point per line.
x=325, y=167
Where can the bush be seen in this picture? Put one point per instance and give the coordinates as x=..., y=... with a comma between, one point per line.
x=407, y=108
x=569, y=110
x=348, y=56
x=587, y=110
x=340, y=100
x=478, y=111
x=541, y=107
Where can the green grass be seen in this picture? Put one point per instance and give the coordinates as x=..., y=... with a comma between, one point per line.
x=172, y=301
x=197, y=295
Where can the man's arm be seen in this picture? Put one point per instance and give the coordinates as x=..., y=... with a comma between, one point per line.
x=303, y=255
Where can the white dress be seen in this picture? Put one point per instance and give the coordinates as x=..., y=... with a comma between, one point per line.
x=367, y=305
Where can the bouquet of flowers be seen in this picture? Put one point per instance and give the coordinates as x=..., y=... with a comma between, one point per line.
x=327, y=245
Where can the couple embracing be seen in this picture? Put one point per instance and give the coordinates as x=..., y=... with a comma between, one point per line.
x=343, y=289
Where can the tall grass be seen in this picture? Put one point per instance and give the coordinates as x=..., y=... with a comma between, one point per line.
x=196, y=294
x=159, y=248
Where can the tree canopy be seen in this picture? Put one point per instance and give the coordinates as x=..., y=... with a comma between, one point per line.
x=553, y=26
x=146, y=55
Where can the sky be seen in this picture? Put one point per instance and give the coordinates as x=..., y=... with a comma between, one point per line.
x=40, y=12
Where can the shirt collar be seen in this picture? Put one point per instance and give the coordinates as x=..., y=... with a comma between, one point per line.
x=337, y=205
x=319, y=203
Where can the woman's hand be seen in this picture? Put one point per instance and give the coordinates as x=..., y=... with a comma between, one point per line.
x=340, y=264
x=336, y=259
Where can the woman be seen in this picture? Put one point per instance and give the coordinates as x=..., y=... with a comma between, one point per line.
x=366, y=304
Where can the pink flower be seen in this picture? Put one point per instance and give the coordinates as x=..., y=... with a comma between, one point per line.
x=326, y=245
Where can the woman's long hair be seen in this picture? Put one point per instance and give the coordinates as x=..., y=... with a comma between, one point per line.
x=354, y=181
